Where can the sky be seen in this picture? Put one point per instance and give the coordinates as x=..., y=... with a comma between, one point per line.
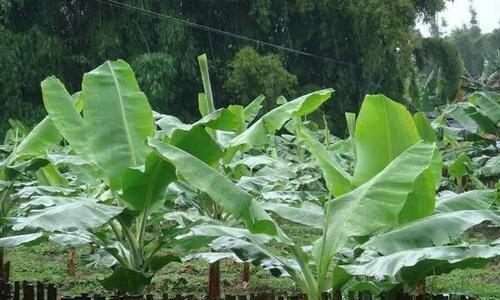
x=457, y=13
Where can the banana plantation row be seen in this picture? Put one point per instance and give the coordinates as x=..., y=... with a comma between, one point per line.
x=390, y=202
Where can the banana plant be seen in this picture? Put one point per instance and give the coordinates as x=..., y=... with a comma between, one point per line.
x=393, y=189
x=106, y=127
x=469, y=131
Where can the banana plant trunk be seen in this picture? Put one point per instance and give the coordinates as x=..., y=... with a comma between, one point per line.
x=214, y=281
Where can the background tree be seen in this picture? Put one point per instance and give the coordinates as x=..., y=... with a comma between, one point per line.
x=359, y=47
x=251, y=72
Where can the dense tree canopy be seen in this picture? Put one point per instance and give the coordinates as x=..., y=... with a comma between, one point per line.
x=360, y=46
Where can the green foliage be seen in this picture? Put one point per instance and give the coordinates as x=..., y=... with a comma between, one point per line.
x=157, y=75
x=66, y=38
x=123, y=170
x=445, y=56
x=251, y=72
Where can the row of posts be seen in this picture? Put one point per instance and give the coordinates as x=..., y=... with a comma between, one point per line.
x=39, y=291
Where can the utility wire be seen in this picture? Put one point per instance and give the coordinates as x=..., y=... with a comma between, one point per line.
x=227, y=33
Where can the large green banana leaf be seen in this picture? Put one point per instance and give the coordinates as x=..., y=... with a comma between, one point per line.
x=307, y=213
x=23, y=239
x=65, y=116
x=471, y=200
x=65, y=239
x=384, y=129
x=117, y=118
x=372, y=206
x=68, y=216
x=256, y=134
x=436, y=230
x=415, y=264
x=40, y=138
x=224, y=192
x=470, y=117
x=424, y=128
x=145, y=190
x=489, y=102
x=250, y=252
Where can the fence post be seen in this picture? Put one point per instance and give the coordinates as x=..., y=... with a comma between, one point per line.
x=17, y=290
x=246, y=272
x=51, y=292
x=6, y=272
x=29, y=292
x=40, y=291
x=214, y=280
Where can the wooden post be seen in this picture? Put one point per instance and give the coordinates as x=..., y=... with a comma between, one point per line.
x=6, y=272
x=29, y=292
x=51, y=292
x=246, y=272
x=214, y=281
x=40, y=291
x=71, y=262
x=17, y=290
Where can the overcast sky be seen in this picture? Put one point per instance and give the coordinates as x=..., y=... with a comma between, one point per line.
x=457, y=13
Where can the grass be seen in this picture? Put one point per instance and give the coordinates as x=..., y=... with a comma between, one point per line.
x=47, y=263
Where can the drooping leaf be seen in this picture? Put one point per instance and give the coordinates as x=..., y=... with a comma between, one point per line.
x=68, y=216
x=212, y=257
x=67, y=159
x=436, y=230
x=258, y=256
x=306, y=213
x=74, y=239
x=239, y=203
x=471, y=200
x=36, y=143
x=415, y=264
x=29, y=239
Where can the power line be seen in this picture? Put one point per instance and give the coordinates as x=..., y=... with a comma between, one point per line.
x=227, y=33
